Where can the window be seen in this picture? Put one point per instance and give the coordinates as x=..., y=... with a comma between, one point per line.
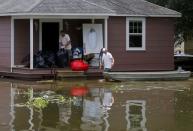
x=135, y=34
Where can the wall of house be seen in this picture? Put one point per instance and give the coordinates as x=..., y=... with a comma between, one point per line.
x=74, y=28
x=5, y=43
x=159, y=45
x=22, y=39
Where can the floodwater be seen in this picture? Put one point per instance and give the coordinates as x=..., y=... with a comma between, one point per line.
x=95, y=105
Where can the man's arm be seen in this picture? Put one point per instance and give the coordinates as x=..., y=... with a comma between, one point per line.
x=112, y=60
x=68, y=43
x=101, y=63
x=68, y=40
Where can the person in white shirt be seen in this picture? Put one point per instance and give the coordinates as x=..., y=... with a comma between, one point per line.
x=65, y=43
x=107, y=60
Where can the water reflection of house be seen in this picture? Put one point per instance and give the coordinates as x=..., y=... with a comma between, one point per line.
x=154, y=110
x=159, y=109
x=92, y=115
x=95, y=110
x=135, y=115
x=25, y=117
x=5, y=106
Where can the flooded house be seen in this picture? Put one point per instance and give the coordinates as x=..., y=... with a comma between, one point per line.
x=139, y=34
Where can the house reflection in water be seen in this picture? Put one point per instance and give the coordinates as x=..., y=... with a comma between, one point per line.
x=142, y=110
x=83, y=112
x=95, y=110
x=135, y=115
x=99, y=110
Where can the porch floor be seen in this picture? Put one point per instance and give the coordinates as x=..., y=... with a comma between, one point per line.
x=50, y=73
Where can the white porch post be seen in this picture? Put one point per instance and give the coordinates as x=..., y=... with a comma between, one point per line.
x=31, y=43
x=106, y=33
x=12, y=43
x=40, y=35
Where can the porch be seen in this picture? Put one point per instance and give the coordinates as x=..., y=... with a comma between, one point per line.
x=32, y=34
x=50, y=73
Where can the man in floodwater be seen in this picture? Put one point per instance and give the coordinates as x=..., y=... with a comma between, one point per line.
x=107, y=60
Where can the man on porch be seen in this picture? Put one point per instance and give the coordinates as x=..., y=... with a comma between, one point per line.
x=65, y=43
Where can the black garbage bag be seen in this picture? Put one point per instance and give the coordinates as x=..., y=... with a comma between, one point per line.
x=62, y=58
x=50, y=59
x=39, y=61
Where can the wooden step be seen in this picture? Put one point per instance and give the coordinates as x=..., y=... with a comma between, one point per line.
x=94, y=73
x=69, y=74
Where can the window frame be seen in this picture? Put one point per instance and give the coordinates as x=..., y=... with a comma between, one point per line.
x=143, y=20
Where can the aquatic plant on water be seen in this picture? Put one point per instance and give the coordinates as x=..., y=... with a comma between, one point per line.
x=38, y=102
x=42, y=102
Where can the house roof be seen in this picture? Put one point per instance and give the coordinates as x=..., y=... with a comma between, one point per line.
x=105, y=7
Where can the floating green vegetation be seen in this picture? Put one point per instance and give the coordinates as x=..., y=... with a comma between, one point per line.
x=117, y=87
x=38, y=102
x=59, y=99
x=42, y=102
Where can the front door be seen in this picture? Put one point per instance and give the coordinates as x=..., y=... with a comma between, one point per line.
x=50, y=36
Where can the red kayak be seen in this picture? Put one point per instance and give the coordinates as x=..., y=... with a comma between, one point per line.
x=79, y=65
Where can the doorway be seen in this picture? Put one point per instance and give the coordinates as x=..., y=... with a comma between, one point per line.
x=50, y=36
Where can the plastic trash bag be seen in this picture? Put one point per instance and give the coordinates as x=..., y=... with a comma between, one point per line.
x=62, y=58
x=50, y=59
x=39, y=61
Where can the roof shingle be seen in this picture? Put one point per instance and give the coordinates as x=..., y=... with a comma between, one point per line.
x=69, y=6
x=108, y=7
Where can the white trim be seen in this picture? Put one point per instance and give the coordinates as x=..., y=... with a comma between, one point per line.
x=143, y=48
x=61, y=16
x=12, y=43
x=40, y=35
x=31, y=43
x=106, y=33
x=60, y=21
x=67, y=15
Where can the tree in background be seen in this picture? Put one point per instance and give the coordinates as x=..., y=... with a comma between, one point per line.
x=184, y=25
x=160, y=2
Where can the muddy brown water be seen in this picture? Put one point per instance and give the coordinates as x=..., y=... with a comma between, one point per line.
x=95, y=105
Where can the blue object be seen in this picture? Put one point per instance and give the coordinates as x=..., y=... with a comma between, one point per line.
x=77, y=53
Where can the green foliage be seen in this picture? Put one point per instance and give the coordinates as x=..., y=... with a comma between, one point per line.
x=42, y=102
x=160, y=2
x=38, y=103
x=184, y=25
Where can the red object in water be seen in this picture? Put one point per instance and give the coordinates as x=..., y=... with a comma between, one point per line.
x=79, y=65
x=79, y=91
